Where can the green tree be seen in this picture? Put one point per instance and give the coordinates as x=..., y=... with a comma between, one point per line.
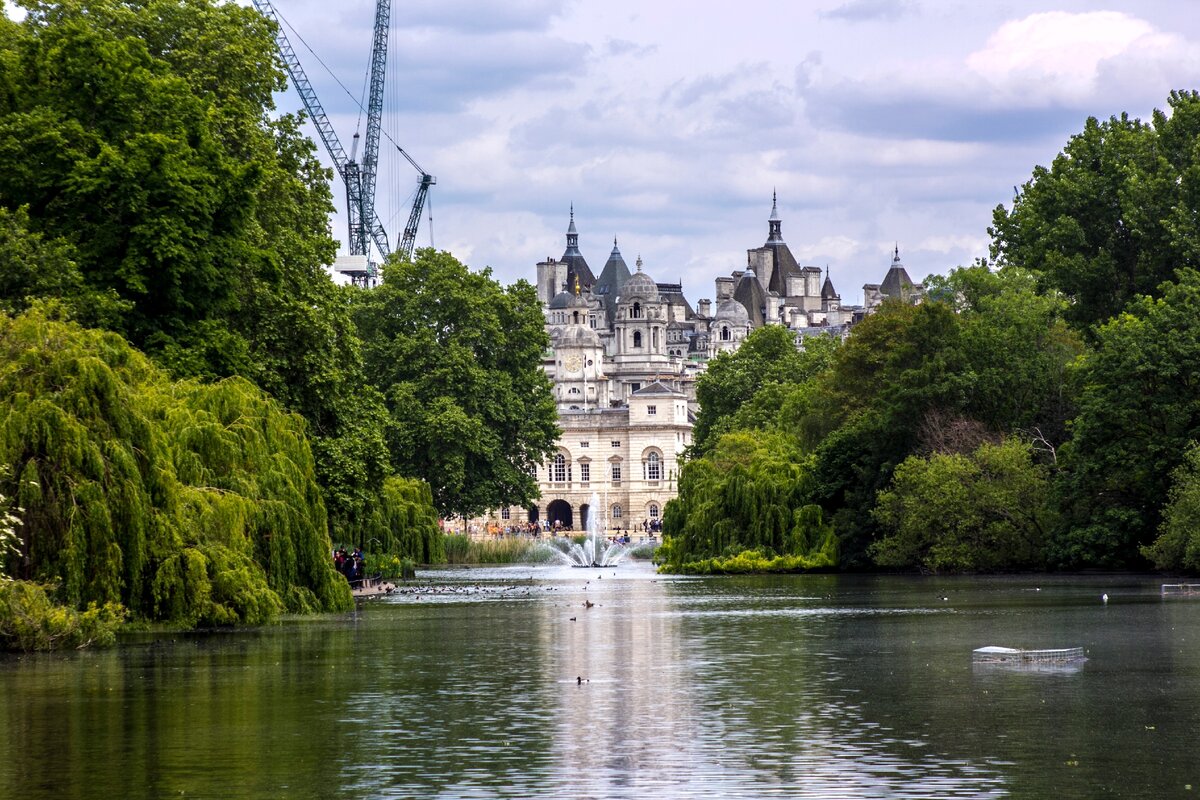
x=898, y=365
x=155, y=194
x=1115, y=213
x=751, y=493
x=1016, y=346
x=953, y=513
x=179, y=501
x=1139, y=410
x=457, y=358
x=767, y=358
x=1178, y=544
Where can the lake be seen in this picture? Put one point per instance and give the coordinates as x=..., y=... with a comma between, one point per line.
x=503, y=682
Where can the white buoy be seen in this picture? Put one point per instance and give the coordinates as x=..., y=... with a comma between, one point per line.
x=1104, y=597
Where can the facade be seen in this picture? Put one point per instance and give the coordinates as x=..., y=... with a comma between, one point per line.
x=624, y=357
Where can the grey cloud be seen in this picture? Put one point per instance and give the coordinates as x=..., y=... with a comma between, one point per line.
x=624, y=47
x=480, y=15
x=869, y=10
x=444, y=73
x=908, y=114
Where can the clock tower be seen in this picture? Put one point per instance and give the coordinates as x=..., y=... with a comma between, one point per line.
x=579, y=367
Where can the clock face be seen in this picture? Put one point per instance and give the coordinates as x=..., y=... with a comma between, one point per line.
x=573, y=362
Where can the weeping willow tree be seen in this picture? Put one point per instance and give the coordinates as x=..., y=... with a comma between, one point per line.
x=185, y=502
x=403, y=522
x=744, y=507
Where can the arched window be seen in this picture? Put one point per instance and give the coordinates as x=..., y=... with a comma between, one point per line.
x=637, y=338
x=616, y=512
x=724, y=334
x=636, y=311
x=653, y=467
x=575, y=316
x=505, y=513
x=653, y=511
x=558, y=469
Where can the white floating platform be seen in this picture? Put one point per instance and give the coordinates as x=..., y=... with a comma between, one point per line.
x=1181, y=590
x=1015, y=656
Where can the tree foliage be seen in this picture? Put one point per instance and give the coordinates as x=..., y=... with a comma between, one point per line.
x=1114, y=216
x=154, y=193
x=457, y=358
x=751, y=493
x=747, y=388
x=1139, y=410
x=180, y=501
x=986, y=511
x=1178, y=544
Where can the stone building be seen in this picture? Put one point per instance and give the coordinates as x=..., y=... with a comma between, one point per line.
x=624, y=357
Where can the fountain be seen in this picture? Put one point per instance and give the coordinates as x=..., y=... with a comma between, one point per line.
x=596, y=550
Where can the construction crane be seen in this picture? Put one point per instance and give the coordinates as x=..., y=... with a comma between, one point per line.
x=414, y=219
x=358, y=176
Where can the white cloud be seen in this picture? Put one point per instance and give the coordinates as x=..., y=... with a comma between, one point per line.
x=1061, y=57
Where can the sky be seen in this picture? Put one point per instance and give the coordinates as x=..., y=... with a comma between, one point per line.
x=668, y=125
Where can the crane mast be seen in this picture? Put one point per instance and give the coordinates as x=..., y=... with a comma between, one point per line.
x=359, y=178
x=414, y=219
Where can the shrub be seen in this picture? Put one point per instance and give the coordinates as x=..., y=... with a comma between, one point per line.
x=30, y=620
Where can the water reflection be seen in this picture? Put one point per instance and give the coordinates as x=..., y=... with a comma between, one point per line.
x=821, y=686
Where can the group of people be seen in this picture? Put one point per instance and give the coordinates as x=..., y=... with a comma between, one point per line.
x=349, y=564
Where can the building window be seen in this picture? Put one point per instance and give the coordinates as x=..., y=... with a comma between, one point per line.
x=585, y=444
x=558, y=470
x=653, y=467
x=635, y=387
x=573, y=390
x=616, y=444
x=585, y=473
x=636, y=311
x=653, y=511
x=505, y=514
x=616, y=472
x=616, y=512
x=651, y=411
x=637, y=338
x=724, y=334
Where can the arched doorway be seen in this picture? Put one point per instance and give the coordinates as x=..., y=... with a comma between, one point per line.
x=585, y=511
x=533, y=513
x=560, y=511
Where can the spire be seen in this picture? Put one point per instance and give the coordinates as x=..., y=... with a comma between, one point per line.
x=827, y=290
x=774, y=224
x=639, y=262
x=572, y=236
x=896, y=254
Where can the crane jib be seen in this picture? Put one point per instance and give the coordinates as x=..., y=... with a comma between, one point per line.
x=358, y=176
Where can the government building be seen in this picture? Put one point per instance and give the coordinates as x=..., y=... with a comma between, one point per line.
x=624, y=355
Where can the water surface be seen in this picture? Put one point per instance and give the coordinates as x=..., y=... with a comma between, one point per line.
x=504, y=683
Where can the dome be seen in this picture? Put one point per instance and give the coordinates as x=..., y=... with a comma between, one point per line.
x=577, y=336
x=640, y=285
x=577, y=301
x=562, y=300
x=732, y=311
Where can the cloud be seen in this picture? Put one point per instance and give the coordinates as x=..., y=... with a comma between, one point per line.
x=1034, y=77
x=464, y=16
x=1061, y=58
x=868, y=10
x=624, y=47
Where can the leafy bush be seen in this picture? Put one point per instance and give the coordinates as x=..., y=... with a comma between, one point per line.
x=30, y=621
x=179, y=501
